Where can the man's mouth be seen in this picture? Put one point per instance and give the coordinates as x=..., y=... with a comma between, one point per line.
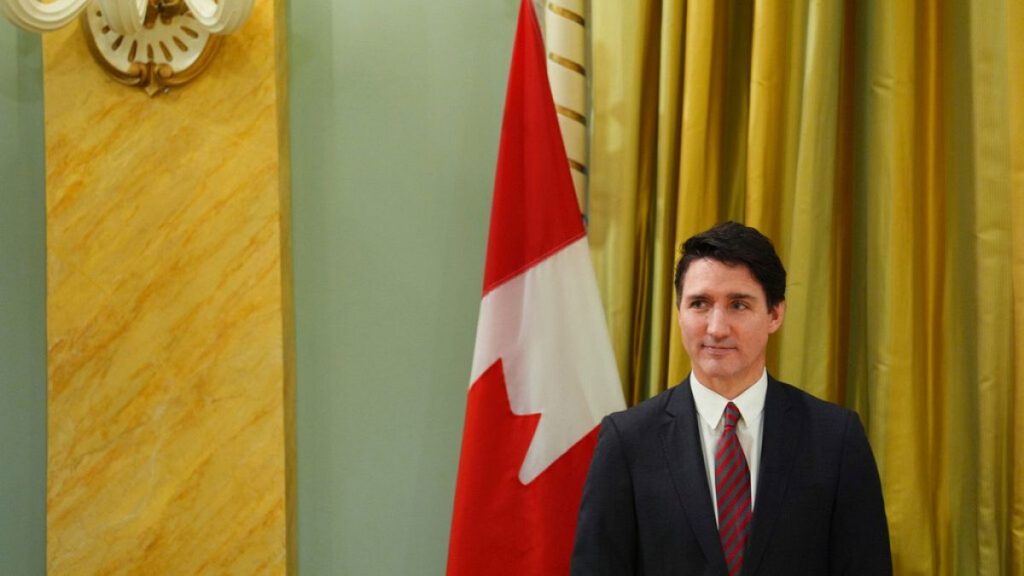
x=718, y=349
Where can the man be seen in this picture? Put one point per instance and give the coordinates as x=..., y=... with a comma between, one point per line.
x=731, y=471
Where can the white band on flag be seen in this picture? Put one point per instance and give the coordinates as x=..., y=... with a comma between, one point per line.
x=563, y=370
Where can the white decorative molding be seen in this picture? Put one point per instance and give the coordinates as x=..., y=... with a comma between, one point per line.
x=154, y=44
x=36, y=16
x=124, y=16
x=221, y=17
x=166, y=51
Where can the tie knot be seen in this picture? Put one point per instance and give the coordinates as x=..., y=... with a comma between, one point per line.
x=731, y=415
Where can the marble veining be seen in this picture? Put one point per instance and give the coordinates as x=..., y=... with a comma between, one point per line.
x=166, y=315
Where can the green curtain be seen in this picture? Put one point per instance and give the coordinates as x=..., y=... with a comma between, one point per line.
x=880, y=144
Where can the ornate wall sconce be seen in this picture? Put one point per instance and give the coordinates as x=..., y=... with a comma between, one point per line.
x=154, y=44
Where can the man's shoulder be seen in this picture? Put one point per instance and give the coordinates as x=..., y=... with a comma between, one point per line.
x=651, y=411
x=799, y=395
x=814, y=407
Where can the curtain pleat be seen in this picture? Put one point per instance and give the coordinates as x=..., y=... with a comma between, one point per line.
x=1014, y=24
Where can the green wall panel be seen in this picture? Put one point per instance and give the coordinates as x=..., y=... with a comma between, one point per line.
x=395, y=116
x=22, y=306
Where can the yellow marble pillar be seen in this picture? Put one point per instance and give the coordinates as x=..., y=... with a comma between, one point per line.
x=171, y=432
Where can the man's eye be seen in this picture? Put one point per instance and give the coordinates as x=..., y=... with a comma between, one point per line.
x=698, y=304
x=740, y=306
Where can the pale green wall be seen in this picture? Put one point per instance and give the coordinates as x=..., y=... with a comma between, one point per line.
x=395, y=109
x=22, y=306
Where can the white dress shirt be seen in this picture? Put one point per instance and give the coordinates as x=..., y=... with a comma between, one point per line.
x=710, y=406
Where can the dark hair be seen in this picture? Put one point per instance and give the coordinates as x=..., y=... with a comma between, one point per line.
x=735, y=244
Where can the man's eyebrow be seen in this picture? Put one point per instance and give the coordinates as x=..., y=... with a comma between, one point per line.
x=730, y=296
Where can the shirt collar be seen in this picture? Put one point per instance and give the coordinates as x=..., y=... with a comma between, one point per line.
x=711, y=405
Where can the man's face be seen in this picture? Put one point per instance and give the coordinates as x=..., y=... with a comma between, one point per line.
x=725, y=323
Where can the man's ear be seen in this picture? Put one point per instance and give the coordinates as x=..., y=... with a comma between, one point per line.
x=776, y=314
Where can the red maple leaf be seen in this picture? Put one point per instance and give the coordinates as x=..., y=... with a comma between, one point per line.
x=501, y=526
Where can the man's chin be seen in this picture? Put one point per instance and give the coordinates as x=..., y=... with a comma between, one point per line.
x=715, y=372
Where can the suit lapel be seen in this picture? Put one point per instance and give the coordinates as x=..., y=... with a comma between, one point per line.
x=685, y=456
x=778, y=449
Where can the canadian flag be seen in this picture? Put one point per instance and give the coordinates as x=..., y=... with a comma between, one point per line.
x=543, y=371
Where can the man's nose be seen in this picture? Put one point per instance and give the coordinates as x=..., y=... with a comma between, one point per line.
x=717, y=324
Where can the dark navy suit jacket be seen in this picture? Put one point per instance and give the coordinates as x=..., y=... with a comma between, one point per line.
x=647, y=508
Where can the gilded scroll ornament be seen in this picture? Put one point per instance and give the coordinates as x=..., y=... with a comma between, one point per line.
x=170, y=48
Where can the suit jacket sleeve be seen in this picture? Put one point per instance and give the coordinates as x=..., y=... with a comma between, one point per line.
x=606, y=526
x=859, y=542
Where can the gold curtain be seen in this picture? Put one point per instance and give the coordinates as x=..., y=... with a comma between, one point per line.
x=881, y=146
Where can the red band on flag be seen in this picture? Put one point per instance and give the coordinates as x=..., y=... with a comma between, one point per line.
x=534, y=213
x=505, y=527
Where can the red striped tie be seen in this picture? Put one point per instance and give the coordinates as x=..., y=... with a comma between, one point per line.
x=732, y=487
